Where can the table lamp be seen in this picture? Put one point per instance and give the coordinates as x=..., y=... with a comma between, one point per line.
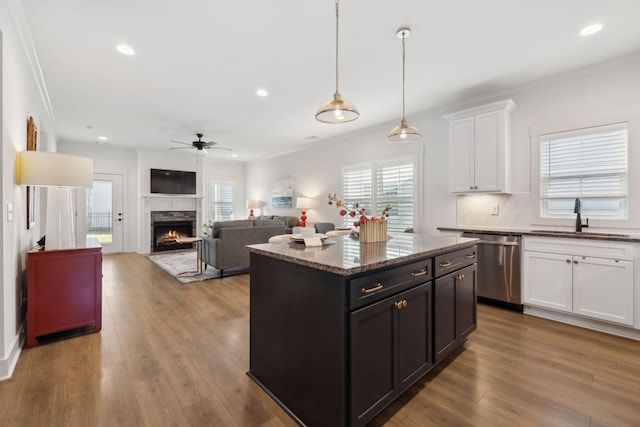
x=253, y=204
x=303, y=203
x=59, y=173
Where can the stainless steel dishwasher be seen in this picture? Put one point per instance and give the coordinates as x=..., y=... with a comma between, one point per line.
x=499, y=270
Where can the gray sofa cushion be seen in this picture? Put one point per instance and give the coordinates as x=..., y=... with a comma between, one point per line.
x=289, y=221
x=230, y=224
x=268, y=222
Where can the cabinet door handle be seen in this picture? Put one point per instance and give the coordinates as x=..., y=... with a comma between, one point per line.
x=568, y=261
x=460, y=277
x=445, y=264
x=370, y=290
x=419, y=273
x=575, y=261
x=472, y=256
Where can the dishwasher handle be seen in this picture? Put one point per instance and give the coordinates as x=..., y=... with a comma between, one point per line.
x=490, y=242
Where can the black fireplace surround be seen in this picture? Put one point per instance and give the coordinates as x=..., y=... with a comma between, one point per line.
x=167, y=226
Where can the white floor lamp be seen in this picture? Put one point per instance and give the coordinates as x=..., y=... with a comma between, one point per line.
x=59, y=173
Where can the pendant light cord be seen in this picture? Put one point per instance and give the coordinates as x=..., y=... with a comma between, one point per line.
x=403, y=37
x=337, y=21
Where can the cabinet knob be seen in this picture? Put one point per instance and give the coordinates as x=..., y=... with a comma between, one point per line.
x=471, y=188
x=404, y=303
x=398, y=305
x=575, y=261
x=460, y=277
x=568, y=261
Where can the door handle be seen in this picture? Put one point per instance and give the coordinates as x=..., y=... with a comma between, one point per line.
x=445, y=264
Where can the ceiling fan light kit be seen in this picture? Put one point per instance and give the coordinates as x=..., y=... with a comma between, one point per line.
x=404, y=132
x=337, y=110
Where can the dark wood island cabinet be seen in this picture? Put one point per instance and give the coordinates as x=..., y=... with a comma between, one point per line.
x=338, y=332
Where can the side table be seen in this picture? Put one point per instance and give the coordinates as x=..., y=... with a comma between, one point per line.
x=198, y=242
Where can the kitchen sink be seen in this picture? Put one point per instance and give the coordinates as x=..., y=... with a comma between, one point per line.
x=578, y=233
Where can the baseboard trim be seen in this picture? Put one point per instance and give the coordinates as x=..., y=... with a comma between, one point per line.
x=596, y=325
x=9, y=364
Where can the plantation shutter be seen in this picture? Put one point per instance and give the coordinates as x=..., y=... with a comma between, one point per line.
x=374, y=186
x=590, y=164
x=221, y=199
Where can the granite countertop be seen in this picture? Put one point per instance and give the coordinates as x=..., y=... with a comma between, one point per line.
x=508, y=231
x=348, y=256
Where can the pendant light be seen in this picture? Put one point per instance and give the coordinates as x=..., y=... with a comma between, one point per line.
x=337, y=110
x=404, y=132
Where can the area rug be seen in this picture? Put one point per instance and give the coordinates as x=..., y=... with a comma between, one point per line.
x=175, y=263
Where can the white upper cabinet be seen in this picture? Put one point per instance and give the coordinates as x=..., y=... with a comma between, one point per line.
x=479, y=148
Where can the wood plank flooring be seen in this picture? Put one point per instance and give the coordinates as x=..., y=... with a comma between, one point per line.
x=177, y=355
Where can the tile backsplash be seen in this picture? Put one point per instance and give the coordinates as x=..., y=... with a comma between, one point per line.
x=499, y=210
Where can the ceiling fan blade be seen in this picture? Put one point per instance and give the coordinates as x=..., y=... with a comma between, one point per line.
x=179, y=148
x=220, y=148
x=180, y=142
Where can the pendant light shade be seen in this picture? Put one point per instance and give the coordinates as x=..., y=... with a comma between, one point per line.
x=337, y=110
x=404, y=132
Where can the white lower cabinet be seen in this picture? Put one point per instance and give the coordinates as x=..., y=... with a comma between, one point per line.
x=571, y=277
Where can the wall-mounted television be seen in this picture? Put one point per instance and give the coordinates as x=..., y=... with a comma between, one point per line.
x=166, y=181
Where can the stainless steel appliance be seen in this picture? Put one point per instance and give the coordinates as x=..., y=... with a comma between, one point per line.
x=499, y=270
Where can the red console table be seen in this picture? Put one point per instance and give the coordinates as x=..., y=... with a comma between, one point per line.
x=64, y=290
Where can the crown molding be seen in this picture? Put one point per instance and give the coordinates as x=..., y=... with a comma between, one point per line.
x=22, y=30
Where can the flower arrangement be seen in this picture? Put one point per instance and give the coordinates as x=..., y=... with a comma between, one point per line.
x=353, y=209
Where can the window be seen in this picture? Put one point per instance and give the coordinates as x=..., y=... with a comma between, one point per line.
x=377, y=185
x=590, y=164
x=221, y=200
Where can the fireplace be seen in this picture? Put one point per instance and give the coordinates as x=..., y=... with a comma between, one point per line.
x=165, y=234
x=168, y=226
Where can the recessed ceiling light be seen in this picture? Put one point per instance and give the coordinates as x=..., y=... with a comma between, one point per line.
x=102, y=138
x=262, y=92
x=125, y=49
x=591, y=29
x=234, y=155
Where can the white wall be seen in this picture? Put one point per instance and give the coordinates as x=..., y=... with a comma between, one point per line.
x=134, y=165
x=600, y=94
x=21, y=97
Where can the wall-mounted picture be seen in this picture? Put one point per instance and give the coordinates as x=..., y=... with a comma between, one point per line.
x=32, y=136
x=282, y=193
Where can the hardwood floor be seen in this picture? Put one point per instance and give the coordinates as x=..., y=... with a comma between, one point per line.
x=176, y=355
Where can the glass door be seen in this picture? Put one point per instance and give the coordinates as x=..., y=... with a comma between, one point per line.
x=104, y=216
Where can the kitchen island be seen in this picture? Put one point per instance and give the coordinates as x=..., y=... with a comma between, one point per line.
x=340, y=331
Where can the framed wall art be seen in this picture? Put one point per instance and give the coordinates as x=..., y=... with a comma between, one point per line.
x=282, y=193
x=32, y=140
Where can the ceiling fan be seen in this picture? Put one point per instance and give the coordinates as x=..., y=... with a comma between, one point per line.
x=199, y=145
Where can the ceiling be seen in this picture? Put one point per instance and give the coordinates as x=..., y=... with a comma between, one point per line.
x=198, y=63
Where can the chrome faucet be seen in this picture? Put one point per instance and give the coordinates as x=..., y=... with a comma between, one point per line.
x=579, y=224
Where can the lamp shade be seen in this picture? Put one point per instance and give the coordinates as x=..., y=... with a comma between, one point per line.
x=303, y=203
x=253, y=204
x=46, y=169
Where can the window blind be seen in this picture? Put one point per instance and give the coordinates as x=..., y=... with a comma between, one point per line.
x=221, y=201
x=590, y=164
x=377, y=185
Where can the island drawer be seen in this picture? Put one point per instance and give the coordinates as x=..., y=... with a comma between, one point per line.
x=455, y=260
x=376, y=286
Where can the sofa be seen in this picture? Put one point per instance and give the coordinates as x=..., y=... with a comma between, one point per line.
x=289, y=221
x=225, y=247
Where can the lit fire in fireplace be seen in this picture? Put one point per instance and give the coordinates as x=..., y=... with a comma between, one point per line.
x=170, y=237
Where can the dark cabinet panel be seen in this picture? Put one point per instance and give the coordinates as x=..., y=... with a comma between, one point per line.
x=454, y=310
x=391, y=349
